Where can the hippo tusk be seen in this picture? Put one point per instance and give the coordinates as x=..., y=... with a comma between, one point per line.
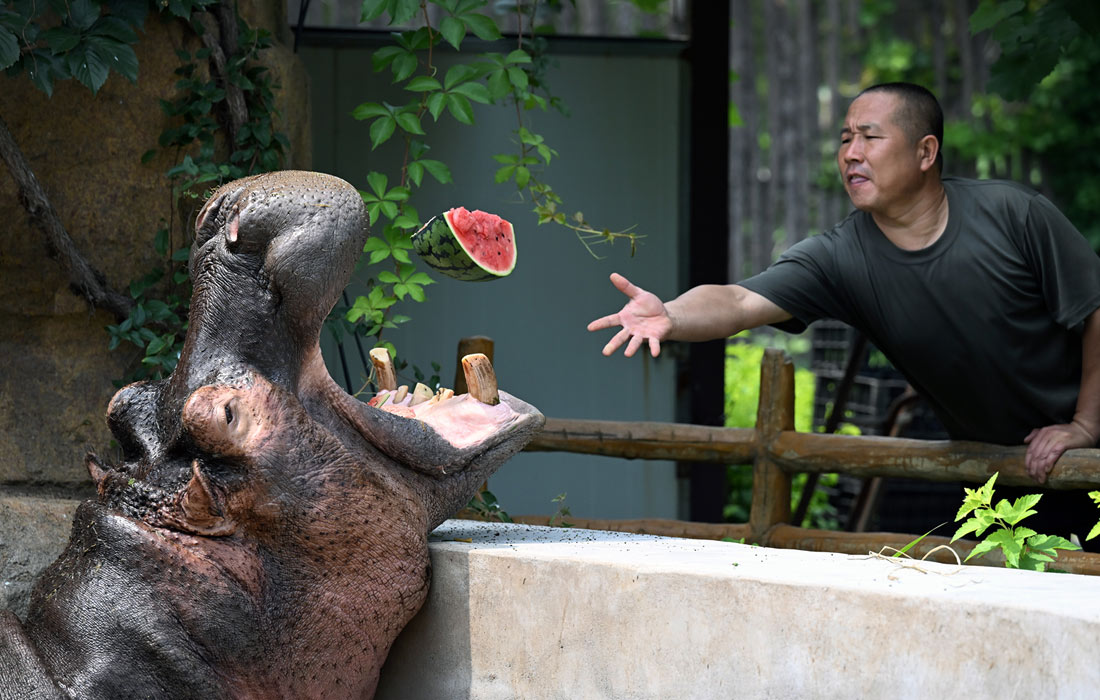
x=480, y=378
x=385, y=376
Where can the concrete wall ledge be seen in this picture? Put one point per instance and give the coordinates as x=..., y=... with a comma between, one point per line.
x=519, y=611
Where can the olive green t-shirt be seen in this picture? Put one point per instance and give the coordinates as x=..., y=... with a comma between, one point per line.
x=985, y=323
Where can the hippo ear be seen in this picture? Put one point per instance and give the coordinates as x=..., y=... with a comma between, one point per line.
x=199, y=507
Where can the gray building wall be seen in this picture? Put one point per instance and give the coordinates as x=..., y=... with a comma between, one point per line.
x=620, y=162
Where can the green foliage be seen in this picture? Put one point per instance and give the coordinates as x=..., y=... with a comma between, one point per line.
x=485, y=505
x=1023, y=548
x=1095, y=496
x=558, y=519
x=1042, y=101
x=742, y=394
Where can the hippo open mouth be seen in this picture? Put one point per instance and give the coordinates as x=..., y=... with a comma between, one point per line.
x=267, y=530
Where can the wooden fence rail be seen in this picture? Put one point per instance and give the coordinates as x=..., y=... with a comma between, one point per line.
x=777, y=451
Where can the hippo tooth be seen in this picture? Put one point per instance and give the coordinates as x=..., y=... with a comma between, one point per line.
x=401, y=393
x=445, y=394
x=480, y=378
x=95, y=469
x=385, y=377
x=420, y=394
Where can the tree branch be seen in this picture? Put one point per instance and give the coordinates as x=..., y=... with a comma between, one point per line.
x=221, y=23
x=84, y=280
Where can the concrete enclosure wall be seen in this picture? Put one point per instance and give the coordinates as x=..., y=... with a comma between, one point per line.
x=538, y=613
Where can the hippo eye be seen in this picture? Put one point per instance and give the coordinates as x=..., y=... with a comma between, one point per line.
x=228, y=414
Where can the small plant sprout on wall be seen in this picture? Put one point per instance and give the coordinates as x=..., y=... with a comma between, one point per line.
x=1023, y=548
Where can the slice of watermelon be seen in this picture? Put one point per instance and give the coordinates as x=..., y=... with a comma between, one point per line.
x=474, y=246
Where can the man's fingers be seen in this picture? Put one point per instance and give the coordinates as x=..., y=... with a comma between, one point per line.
x=616, y=340
x=606, y=322
x=654, y=347
x=624, y=285
x=633, y=345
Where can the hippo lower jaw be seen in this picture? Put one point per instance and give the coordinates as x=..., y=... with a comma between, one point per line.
x=438, y=434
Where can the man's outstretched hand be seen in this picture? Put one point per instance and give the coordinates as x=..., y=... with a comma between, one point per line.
x=644, y=319
x=1046, y=445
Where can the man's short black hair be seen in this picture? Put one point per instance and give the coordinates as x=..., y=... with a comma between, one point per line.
x=919, y=113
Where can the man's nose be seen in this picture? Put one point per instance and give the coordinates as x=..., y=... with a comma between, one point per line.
x=852, y=151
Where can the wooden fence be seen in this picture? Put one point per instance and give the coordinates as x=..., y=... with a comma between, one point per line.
x=777, y=451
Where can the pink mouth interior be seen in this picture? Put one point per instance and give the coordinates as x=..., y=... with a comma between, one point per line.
x=461, y=420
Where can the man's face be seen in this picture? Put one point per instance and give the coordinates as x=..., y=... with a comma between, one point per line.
x=879, y=165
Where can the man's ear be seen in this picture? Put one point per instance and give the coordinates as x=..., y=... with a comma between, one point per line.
x=927, y=149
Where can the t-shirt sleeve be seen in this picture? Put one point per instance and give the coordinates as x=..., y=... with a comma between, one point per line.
x=800, y=283
x=1065, y=264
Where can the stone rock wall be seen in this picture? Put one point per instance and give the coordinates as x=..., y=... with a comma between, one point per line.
x=56, y=373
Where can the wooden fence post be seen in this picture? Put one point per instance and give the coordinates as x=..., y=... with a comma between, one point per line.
x=771, y=486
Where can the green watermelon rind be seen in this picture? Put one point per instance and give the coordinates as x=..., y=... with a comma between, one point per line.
x=439, y=247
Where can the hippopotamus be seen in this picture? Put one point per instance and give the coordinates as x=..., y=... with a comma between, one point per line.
x=262, y=534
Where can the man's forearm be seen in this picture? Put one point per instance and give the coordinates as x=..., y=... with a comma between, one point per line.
x=712, y=311
x=1088, y=401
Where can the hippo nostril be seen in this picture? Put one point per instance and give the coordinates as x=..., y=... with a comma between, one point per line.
x=228, y=415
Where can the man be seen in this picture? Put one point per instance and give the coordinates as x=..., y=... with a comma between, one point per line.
x=980, y=292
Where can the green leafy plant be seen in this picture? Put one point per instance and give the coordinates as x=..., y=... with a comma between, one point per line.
x=558, y=519
x=1023, y=548
x=1095, y=496
x=485, y=504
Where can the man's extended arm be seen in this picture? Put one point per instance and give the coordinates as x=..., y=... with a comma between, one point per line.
x=1046, y=445
x=705, y=312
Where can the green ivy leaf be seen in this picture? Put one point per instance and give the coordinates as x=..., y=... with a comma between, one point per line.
x=381, y=129
x=416, y=173
x=437, y=101
x=518, y=78
x=410, y=122
x=459, y=73
x=116, y=55
x=379, y=249
x=523, y=176
x=473, y=90
x=9, y=48
x=460, y=108
x=401, y=11
x=481, y=25
x=453, y=30
x=499, y=84
x=83, y=13
x=87, y=67
x=990, y=13
x=368, y=110
x=518, y=56
x=438, y=170
x=385, y=56
x=423, y=83
x=114, y=28
x=61, y=39
x=373, y=9
x=404, y=66
x=504, y=174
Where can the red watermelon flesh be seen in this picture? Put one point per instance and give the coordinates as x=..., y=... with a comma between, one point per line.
x=486, y=237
